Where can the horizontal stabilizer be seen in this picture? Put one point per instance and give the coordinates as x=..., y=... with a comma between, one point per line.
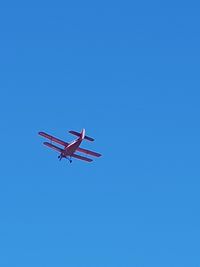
x=79, y=134
x=53, y=147
x=81, y=157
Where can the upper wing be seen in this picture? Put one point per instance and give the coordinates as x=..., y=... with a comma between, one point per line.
x=89, y=152
x=52, y=138
x=81, y=157
x=53, y=147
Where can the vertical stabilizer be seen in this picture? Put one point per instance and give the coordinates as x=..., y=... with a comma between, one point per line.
x=83, y=134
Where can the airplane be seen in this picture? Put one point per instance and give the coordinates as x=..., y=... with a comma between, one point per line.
x=70, y=148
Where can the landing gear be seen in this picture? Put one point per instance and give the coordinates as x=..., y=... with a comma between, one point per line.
x=60, y=157
x=70, y=160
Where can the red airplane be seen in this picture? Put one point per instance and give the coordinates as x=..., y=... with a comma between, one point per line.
x=70, y=148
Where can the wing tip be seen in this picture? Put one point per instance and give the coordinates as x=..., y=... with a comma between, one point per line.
x=42, y=133
x=46, y=143
x=89, y=138
x=97, y=155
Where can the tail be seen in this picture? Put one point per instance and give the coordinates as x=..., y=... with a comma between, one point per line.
x=82, y=135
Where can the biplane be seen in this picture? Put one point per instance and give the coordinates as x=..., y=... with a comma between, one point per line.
x=68, y=149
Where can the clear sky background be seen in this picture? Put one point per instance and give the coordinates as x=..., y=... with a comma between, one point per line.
x=127, y=71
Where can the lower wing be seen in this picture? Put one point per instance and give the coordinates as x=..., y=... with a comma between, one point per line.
x=53, y=147
x=81, y=157
x=89, y=152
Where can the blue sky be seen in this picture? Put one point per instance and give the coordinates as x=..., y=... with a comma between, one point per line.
x=129, y=73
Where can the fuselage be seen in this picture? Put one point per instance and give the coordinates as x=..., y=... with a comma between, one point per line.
x=72, y=147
